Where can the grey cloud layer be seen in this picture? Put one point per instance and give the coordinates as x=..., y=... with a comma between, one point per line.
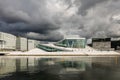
x=51, y=19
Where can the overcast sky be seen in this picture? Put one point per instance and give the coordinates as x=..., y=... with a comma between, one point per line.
x=52, y=19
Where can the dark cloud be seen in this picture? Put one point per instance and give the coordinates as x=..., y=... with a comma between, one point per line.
x=94, y=18
x=24, y=16
x=51, y=19
x=87, y=4
x=21, y=29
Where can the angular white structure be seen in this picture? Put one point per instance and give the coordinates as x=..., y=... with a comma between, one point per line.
x=72, y=41
x=7, y=41
x=21, y=44
x=32, y=44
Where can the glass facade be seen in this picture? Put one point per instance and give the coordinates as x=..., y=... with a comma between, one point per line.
x=72, y=43
x=49, y=49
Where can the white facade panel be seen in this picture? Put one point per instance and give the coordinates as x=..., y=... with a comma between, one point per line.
x=37, y=43
x=32, y=44
x=21, y=44
x=7, y=41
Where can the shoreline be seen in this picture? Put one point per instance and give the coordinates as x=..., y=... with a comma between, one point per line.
x=62, y=54
x=38, y=52
x=65, y=55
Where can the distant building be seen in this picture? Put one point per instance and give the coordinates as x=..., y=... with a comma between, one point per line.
x=21, y=44
x=103, y=44
x=7, y=41
x=115, y=43
x=32, y=44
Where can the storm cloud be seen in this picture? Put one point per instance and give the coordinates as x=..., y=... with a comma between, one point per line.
x=52, y=19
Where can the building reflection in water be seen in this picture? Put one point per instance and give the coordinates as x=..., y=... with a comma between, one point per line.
x=64, y=68
x=7, y=66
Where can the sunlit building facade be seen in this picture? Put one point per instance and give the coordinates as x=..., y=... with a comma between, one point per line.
x=7, y=41
x=21, y=44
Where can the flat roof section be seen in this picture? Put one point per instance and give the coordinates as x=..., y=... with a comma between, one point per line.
x=101, y=39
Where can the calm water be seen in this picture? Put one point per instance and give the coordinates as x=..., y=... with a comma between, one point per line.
x=59, y=68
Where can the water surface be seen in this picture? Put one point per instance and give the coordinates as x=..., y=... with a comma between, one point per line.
x=59, y=68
